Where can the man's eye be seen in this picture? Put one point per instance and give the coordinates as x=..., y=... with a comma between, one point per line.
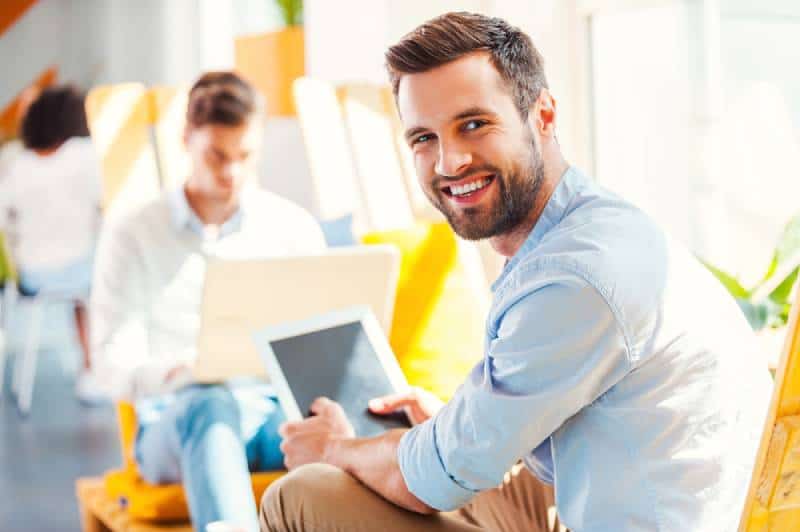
x=474, y=124
x=421, y=138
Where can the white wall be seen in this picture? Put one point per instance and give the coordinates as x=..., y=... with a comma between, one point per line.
x=760, y=51
x=151, y=41
x=642, y=109
x=113, y=41
x=345, y=39
x=697, y=119
x=30, y=46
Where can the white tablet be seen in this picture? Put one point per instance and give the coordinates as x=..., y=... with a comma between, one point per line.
x=342, y=355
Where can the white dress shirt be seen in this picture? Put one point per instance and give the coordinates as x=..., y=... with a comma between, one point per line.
x=149, y=274
x=51, y=205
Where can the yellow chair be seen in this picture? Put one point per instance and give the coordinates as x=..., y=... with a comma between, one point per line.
x=120, y=119
x=378, y=168
x=773, y=501
x=380, y=153
x=334, y=184
x=169, y=121
x=148, y=502
x=439, y=318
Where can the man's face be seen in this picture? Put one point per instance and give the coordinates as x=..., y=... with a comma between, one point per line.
x=475, y=156
x=222, y=157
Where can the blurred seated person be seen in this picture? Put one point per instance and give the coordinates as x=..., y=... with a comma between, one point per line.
x=147, y=301
x=50, y=208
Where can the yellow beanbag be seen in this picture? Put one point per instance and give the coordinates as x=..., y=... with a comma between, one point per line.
x=148, y=502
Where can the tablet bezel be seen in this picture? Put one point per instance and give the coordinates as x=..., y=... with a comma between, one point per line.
x=358, y=314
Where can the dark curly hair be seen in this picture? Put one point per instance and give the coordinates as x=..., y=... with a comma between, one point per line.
x=56, y=115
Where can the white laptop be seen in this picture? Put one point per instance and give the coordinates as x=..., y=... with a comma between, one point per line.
x=243, y=296
x=342, y=355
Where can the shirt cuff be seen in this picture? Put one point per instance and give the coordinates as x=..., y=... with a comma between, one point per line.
x=424, y=472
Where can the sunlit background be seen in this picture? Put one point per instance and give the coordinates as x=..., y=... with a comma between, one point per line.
x=689, y=108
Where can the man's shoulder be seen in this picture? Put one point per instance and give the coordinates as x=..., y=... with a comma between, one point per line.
x=600, y=238
x=265, y=208
x=604, y=243
x=262, y=201
x=151, y=215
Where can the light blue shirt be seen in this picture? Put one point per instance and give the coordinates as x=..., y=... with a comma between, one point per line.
x=184, y=217
x=615, y=367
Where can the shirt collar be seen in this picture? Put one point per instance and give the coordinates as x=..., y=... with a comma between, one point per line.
x=570, y=183
x=184, y=217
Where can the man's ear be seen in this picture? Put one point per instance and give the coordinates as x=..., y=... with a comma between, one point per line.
x=187, y=131
x=542, y=114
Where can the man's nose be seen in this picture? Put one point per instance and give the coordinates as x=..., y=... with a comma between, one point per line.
x=453, y=159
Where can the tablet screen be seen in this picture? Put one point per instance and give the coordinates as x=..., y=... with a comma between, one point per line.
x=340, y=363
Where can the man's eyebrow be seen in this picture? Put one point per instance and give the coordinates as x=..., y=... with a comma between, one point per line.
x=467, y=113
x=472, y=111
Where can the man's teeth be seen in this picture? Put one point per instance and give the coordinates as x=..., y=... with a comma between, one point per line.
x=469, y=187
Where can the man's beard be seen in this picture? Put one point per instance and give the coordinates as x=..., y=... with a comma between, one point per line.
x=516, y=196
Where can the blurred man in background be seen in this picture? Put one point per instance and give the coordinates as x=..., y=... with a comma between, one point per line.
x=147, y=299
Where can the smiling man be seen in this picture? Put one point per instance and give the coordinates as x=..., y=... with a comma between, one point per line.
x=616, y=368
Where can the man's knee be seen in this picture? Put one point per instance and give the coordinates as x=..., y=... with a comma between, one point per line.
x=205, y=408
x=296, y=498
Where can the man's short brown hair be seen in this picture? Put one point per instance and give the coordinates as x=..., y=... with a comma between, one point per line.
x=222, y=98
x=453, y=35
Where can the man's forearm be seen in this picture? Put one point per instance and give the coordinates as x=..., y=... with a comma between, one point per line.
x=373, y=461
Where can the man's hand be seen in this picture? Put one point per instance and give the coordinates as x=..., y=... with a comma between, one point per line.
x=310, y=440
x=420, y=405
x=180, y=370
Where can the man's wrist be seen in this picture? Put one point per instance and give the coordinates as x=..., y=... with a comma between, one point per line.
x=336, y=452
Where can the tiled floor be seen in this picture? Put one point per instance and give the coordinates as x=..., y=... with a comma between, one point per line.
x=40, y=456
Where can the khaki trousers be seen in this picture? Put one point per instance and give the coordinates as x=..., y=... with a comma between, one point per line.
x=320, y=497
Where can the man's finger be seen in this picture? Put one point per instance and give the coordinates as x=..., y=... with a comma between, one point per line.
x=321, y=404
x=390, y=403
x=288, y=428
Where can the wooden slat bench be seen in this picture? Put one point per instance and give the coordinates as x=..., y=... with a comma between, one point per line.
x=101, y=513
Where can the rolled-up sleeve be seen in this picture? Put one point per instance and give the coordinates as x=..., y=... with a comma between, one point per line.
x=557, y=347
x=424, y=472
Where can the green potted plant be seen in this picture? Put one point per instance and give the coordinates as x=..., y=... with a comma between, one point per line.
x=767, y=304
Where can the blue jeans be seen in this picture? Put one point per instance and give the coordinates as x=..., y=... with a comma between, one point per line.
x=67, y=280
x=209, y=437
